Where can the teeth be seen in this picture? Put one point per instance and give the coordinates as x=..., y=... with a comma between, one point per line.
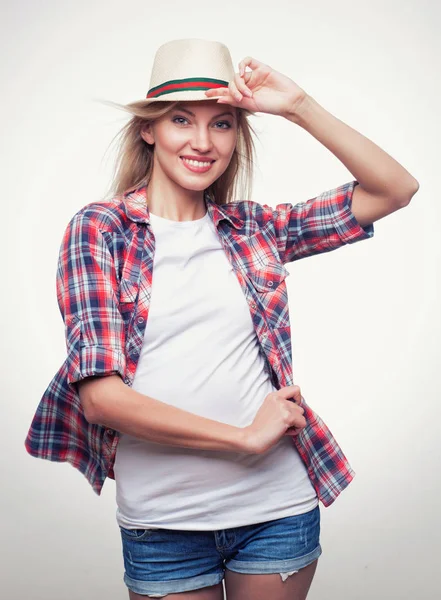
x=196, y=163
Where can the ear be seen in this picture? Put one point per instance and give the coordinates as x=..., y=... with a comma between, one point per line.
x=147, y=134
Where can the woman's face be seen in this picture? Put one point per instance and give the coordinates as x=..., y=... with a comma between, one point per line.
x=193, y=143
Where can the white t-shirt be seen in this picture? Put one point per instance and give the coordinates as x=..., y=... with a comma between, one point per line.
x=201, y=353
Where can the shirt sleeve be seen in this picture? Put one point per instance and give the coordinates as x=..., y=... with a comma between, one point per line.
x=318, y=225
x=87, y=293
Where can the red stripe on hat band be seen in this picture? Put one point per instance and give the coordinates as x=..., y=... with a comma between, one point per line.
x=184, y=86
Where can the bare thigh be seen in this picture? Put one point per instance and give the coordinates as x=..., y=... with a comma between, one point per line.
x=240, y=586
x=213, y=592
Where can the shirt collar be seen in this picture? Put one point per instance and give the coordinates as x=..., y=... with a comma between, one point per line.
x=137, y=210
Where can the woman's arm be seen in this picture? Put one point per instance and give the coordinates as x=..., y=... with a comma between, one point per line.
x=384, y=185
x=108, y=401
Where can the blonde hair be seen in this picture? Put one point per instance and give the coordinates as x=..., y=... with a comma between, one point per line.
x=134, y=160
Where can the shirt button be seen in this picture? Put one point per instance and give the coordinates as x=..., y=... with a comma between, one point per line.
x=253, y=305
x=110, y=431
x=270, y=283
x=140, y=319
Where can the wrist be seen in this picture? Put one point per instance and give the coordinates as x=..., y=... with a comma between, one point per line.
x=245, y=440
x=299, y=109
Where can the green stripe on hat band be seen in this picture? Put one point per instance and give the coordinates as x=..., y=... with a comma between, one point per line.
x=192, y=83
x=189, y=80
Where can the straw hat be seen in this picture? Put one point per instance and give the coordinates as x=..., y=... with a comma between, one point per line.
x=185, y=69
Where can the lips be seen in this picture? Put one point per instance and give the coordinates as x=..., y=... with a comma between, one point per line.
x=198, y=158
x=196, y=168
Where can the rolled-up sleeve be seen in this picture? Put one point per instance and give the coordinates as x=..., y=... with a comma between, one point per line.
x=87, y=293
x=318, y=225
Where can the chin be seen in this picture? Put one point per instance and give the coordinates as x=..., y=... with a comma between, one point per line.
x=197, y=186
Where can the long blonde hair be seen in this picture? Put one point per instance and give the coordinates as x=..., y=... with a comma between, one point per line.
x=134, y=159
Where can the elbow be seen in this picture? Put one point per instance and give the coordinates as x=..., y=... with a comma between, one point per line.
x=87, y=392
x=93, y=391
x=410, y=192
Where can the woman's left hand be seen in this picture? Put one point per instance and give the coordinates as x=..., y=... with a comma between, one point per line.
x=260, y=90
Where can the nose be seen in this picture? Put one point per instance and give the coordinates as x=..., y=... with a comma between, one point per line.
x=201, y=139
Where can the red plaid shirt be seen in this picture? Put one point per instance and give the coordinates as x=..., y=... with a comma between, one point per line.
x=104, y=288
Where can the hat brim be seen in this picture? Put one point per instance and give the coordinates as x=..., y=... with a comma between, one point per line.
x=185, y=97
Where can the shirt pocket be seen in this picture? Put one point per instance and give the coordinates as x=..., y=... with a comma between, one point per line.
x=269, y=288
x=254, y=252
x=269, y=277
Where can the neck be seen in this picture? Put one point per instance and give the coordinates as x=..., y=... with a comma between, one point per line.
x=170, y=201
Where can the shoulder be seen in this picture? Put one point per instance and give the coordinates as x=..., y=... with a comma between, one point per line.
x=104, y=216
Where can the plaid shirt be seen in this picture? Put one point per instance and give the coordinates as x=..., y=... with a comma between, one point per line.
x=104, y=288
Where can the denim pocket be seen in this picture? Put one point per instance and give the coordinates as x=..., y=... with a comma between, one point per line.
x=135, y=534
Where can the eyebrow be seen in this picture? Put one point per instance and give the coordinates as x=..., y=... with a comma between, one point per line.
x=215, y=117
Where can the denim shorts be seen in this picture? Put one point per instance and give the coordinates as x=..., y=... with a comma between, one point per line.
x=158, y=562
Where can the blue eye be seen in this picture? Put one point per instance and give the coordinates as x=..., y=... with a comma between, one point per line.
x=228, y=125
x=182, y=119
x=179, y=120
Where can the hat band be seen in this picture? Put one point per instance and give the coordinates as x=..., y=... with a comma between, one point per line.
x=185, y=85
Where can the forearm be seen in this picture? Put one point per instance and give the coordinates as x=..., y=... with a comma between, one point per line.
x=120, y=407
x=375, y=170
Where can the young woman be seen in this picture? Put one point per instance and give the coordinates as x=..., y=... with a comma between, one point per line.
x=178, y=380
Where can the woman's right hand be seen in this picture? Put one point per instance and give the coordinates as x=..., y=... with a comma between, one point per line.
x=276, y=417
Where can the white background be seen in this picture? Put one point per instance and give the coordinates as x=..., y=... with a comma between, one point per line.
x=365, y=318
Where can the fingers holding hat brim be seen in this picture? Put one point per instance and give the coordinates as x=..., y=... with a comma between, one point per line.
x=214, y=92
x=223, y=96
x=237, y=89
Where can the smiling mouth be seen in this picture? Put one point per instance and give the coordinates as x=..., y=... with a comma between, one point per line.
x=197, y=166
